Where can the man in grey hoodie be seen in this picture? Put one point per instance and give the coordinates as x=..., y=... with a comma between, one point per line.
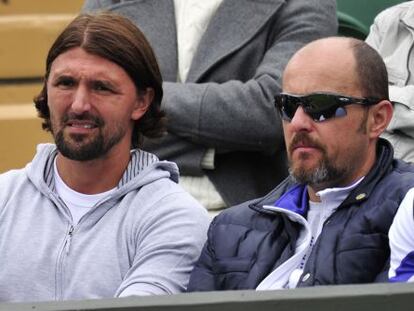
x=93, y=216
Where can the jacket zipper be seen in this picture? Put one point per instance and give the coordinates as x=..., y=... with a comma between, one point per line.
x=69, y=239
x=60, y=269
x=316, y=248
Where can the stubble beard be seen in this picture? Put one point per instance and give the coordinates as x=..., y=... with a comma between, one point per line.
x=86, y=148
x=325, y=172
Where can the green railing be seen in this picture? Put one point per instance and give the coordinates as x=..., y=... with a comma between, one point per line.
x=377, y=297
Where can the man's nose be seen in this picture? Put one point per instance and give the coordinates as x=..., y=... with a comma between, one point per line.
x=81, y=100
x=301, y=121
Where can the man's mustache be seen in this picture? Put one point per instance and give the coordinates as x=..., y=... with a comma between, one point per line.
x=69, y=117
x=303, y=139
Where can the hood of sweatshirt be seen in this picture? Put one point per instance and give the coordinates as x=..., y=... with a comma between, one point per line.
x=143, y=168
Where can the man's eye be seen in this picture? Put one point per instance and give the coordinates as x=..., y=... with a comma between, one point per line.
x=101, y=87
x=65, y=83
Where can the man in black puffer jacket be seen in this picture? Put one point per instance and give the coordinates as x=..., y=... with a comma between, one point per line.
x=327, y=223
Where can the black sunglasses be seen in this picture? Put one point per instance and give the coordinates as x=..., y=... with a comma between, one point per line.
x=319, y=106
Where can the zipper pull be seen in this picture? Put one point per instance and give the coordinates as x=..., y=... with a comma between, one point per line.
x=68, y=240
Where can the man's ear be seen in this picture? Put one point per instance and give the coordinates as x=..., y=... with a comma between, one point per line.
x=381, y=115
x=144, y=100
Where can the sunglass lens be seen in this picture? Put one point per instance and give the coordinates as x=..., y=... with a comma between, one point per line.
x=324, y=106
x=290, y=105
x=283, y=103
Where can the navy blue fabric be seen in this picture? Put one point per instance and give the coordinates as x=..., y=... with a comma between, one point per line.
x=246, y=242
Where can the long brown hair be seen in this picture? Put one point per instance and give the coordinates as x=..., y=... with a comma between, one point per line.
x=117, y=39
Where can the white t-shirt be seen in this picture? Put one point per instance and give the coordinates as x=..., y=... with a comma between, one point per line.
x=78, y=203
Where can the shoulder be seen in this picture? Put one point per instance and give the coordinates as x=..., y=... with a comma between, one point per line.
x=11, y=175
x=167, y=190
x=238, y=228
x=398, y=9
x=391, y=189
x=397, y=182
x=250, y=215
x=10, y=184
x=394, y=13
x=10, y=179
x=252, y=212
x=239, y=215
x=402, y=173
x=162, y=200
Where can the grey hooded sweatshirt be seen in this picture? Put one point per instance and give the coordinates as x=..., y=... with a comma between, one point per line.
x=142, y=240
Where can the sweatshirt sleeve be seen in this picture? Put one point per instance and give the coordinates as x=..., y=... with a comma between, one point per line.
x=168, y=241
x=202, y=277
x=401, y=236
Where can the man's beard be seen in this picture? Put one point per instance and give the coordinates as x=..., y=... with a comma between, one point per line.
x=82, y=148
x=325, y=172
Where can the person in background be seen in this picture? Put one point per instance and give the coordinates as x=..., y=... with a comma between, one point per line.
x=222, y=62
x=401, y=237
x=94, y=216
x=392, y=35
x=328, y=222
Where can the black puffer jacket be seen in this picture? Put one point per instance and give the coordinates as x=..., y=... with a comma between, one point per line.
x=246, y=242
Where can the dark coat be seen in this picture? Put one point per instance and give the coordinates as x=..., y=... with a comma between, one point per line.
x=246, y=242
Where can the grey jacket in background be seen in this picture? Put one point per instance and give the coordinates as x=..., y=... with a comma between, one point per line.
x=392, y=35
x=142, y=240
x=227, y=101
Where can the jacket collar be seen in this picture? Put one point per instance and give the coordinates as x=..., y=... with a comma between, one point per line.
x=293, y=196
x=382, y=166
x=295, y=200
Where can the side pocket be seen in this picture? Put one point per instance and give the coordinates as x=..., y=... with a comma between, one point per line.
x=361, y=257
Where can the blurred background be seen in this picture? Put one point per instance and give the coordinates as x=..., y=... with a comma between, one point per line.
x=28, y=28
